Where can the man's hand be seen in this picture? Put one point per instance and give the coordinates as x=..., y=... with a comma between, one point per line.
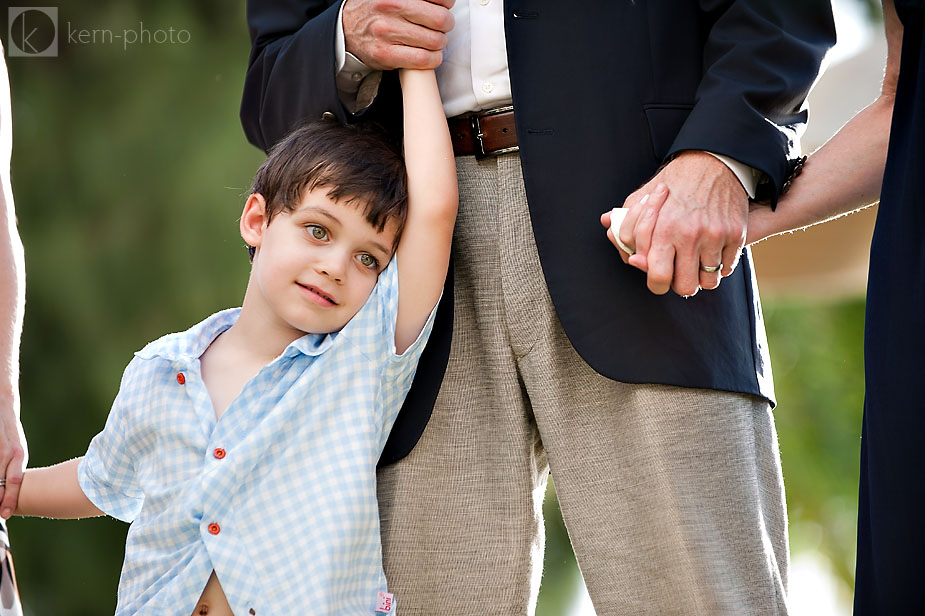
x=13, y=454
x=387, y=34
x=701, y=224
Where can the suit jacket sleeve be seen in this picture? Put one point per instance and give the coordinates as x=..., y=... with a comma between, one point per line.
x=761, y=57
x=290, y=75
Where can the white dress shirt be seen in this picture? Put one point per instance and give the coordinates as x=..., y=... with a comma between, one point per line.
x=473, y=74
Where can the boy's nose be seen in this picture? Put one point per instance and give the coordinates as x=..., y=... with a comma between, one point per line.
x=332, y=269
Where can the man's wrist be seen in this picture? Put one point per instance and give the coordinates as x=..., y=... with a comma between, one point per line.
x=746, y=175
x=350, y=72
x=344, y=61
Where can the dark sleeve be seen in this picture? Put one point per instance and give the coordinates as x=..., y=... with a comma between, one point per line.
x=290, y=74
x=761, y=57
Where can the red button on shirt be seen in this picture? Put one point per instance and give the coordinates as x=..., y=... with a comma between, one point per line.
x=215, y=528
x=219, y=453
x=180, y=378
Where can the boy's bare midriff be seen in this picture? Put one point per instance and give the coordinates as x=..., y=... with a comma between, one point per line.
x=212, y=601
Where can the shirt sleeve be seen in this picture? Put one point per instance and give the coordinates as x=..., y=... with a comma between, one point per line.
x=746, y=175
x=107, y=472
x=372, y=333
x=399, y=369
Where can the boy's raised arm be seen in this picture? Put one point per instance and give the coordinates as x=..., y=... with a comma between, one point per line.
x=424, y=250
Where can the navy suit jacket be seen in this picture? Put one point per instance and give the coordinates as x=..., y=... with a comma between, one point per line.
x=604, y=92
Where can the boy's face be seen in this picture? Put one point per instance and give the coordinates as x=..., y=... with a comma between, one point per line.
x=314, y=267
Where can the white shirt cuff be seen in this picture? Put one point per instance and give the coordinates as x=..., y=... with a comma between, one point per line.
x=350, y=72
x=340, y=47
x=748, y=176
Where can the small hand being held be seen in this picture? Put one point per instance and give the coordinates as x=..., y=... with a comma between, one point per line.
x=388, y=34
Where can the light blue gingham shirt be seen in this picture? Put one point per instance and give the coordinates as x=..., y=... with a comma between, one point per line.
x=279, y=496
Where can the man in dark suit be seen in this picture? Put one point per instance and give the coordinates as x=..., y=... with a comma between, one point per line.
x=652, y=410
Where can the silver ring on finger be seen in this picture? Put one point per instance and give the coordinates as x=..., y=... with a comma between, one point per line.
x=711, y=269
x=2, y=481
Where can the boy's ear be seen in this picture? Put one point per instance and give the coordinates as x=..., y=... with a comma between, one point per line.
x=254, y=220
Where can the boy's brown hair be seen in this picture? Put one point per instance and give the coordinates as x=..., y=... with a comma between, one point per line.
x=357, y=163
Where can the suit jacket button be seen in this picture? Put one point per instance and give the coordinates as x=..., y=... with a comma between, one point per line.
x=327, y=115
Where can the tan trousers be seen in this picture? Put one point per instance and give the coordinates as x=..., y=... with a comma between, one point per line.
x=673, y=498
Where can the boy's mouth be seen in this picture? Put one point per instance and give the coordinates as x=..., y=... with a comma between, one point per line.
x=317, y=295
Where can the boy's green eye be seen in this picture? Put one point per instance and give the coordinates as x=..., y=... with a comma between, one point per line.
x=368, y=260
x=319, y=233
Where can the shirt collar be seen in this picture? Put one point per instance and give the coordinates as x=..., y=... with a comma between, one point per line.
x=191, y=344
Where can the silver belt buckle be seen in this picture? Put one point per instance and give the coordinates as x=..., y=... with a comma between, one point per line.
x=480, y=152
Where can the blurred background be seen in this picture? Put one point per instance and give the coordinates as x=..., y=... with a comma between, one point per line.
x=129, y=172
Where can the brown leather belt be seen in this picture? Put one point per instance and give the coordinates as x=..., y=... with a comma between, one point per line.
x=484, y=133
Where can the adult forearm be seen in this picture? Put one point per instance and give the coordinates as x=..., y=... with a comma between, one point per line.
x=846, y=173
x=760, y=59
x=12, y=304
x=841, y=177
x=54, y=492
x=12, y=266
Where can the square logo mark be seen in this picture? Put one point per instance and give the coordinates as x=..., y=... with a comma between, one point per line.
x=33, y=31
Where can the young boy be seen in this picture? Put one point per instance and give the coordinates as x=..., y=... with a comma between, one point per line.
x=244, y=450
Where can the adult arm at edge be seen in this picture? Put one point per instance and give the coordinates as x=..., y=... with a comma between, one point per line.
x=761, y=59
x=846, y=173
x=13, y=452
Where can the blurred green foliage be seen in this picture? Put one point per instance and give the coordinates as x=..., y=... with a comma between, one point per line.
x=818, y=362
x=129, y=172
x=874, y=9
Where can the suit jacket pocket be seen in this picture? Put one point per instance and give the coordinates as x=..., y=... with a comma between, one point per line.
x=665, y=121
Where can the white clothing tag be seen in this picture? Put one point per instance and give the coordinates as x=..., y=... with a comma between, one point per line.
x=385, y=602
